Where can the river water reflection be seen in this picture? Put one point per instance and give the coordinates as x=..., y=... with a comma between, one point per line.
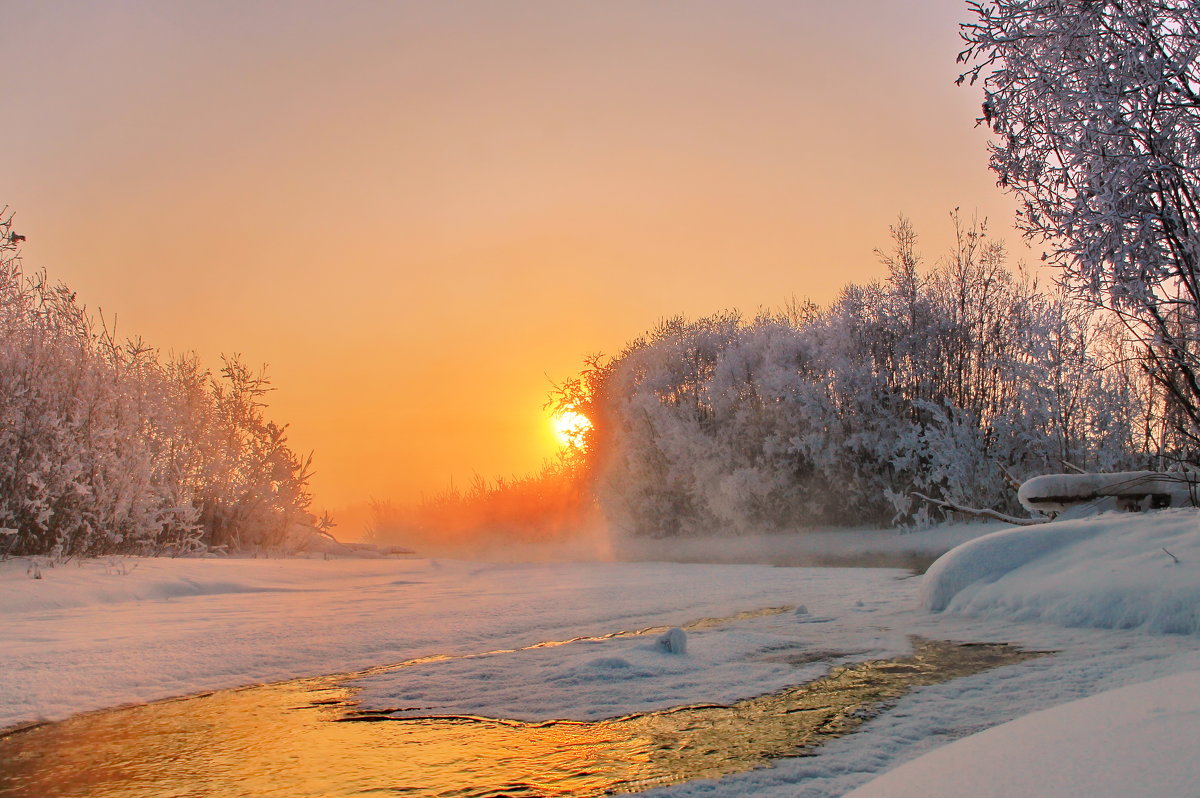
x=305, y=738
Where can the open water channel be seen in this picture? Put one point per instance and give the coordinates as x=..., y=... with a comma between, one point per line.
x=308, y=737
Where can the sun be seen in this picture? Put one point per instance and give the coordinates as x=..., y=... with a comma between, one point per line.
x=570, y=427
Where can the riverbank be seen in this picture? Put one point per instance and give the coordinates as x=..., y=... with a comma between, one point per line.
x=98, y=634
x=1116, y=571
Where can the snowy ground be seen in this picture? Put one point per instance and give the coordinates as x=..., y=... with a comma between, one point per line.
x=1134, y=741
x=97, y=634
x=1101, y=592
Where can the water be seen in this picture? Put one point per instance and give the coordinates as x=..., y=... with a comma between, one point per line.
x=307, y=738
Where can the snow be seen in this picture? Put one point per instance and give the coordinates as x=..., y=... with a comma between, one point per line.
x=673, y=641
x=1136, y=742
x=595, y=679
x=98, y=633
x=1115, y=571
x=1058, y=492
x=987, y=558
x=581, y=641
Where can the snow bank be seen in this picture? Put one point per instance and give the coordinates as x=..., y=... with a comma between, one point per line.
x=1136, y=742
x=1117, y=570
x=987, y=558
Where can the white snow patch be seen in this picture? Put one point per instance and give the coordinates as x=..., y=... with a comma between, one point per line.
x=1117, y=571
x=1136, y=742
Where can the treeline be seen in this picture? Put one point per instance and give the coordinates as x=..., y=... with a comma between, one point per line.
x=108, y=446
x=953, y=382
x=550, y=506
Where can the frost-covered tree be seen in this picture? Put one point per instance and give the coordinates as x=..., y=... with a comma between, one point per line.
x=947, y=381
x=1095, y=106
x=106, y=446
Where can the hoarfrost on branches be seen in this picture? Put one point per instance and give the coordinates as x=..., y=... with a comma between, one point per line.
x=1095, y=107
x=107, y=446
x=944, y=381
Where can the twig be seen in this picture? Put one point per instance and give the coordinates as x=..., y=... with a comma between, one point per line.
x=1013, y=482
x=982, y=512
x=1169, y=554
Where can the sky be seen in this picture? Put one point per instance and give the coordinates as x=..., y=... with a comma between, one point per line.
x=419, y=214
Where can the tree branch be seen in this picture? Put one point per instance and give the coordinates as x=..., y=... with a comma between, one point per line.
x=981, y=512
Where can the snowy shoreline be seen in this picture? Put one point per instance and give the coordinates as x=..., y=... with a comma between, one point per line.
x=97, y=634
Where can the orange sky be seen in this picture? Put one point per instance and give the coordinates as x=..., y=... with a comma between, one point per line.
x=420, y=212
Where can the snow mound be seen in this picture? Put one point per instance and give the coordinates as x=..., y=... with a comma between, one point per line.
x=1117, y=570
x=990, y=557
x=1136, y=742
x=673, y=641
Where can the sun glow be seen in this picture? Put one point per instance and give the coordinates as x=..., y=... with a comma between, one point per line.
x=570, y=427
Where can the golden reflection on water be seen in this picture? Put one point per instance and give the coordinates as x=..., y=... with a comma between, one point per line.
x=301, y=738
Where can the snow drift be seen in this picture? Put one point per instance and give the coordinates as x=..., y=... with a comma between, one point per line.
x=1117, y=570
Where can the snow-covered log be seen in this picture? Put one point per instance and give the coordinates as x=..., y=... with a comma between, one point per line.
x=1129, y=490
